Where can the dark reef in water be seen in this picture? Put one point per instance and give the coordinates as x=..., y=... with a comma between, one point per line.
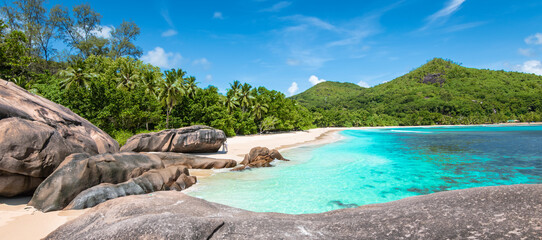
x=343, y=205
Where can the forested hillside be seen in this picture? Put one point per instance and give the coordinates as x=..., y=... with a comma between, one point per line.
x=328, y=94
x=439, y=92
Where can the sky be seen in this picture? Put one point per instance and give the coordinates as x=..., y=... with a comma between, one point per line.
x=290, y=46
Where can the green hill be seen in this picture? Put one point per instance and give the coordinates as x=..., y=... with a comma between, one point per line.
x=438, y=92
x=327, y=94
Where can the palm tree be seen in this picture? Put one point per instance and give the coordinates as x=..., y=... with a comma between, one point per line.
x=231, y=101
x=148, y=81
x=235, y=87
x=128, y=74
x=245, y=96
x=190, y=85
x=76, y=75
x=171, y=91
x=259, y=109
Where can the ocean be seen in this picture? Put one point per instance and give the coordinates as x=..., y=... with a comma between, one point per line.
x=382, y=165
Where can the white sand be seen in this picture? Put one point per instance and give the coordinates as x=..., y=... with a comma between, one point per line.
x=19, y=221
x=238, y=146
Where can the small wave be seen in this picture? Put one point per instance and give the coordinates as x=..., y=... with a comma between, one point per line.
x=409, y=131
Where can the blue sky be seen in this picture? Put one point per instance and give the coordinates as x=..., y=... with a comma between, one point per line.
x=291, y=45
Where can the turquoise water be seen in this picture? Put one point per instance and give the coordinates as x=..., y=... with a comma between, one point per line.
x=382, y=165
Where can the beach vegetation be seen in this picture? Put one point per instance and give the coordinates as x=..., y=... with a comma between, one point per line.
x=103, y=80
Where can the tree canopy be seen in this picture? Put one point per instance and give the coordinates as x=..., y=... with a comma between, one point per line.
x=98, y=75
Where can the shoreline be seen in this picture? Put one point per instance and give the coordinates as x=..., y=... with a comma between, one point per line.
x=285, y=140
x=239, y=146
x=16, y=216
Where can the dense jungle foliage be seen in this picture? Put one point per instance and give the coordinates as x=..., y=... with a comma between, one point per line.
x=102, y=80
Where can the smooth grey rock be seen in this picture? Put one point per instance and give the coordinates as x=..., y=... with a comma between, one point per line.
x=191, y=161
x=504, y=212
x=193, y=139
x=81, y=171
x=36, y=135
x=170, y=178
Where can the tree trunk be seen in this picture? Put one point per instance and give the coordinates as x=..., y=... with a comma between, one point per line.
x=167, y=118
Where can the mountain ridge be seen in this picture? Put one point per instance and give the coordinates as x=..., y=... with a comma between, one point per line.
x=438, y=92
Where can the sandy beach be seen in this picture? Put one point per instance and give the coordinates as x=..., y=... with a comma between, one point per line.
x=19, y=221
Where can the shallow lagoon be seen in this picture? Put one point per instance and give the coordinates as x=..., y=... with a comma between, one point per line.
x=382, y=165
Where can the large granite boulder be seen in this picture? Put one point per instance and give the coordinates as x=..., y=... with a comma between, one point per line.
x=169, y=178
x=35, y=137
x=191, y=161
x=504, y=212
x=193, y=139
x=81, y=171
x=259, y=157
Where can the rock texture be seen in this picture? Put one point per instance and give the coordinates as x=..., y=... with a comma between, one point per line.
x=170, y=178
x=81, y=171
x=35, y=137
x=191, y=161
x=193, y=139
x=259, y=157
x=505, y=212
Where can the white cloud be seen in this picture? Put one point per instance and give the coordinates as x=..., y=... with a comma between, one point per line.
x=209, y=78
x=277, y=7
x=451, y=7
x=307, y=58
x=314, y=80
x=165, y=15
x=441, y=16
x=308, y=41
x=169, y=33
x=532, y=66
x=363, y=84
x=356, y=37
x=528, y=52
x=312, y=21
x=535, y=39
x=218, y=15
x=159, y=57
x=104, y=32
x=293, y=88
x=202, y=62
x=464, y=26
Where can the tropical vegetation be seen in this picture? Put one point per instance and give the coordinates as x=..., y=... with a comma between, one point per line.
x=101, y=78
x=439, y=92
